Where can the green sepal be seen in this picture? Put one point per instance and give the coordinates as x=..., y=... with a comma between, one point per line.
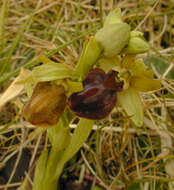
x=47, y=72
x=90, y=53
x=144, y=84
x=130, y=101
x=50, y=72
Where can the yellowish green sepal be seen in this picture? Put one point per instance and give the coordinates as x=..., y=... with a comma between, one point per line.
x=144, y=84
x=90, y=53
x=131, y=102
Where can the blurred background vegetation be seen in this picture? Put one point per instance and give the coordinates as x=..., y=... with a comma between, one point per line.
x=117, y=156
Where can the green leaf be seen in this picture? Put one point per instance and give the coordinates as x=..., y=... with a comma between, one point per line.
x=80, y=135
x=131, y=103
x=40, y=171
x=90, y=53
x=144, y=84
x=160, y=64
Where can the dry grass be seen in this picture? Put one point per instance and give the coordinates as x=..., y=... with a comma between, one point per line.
x=118, y=155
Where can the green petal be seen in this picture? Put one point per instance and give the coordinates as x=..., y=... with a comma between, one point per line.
x=49, y=71
x=109, y=63
x=131, y=103
x=144, y=84
x=138, y=68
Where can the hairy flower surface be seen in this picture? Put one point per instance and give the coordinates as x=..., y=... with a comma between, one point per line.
x=98, y=97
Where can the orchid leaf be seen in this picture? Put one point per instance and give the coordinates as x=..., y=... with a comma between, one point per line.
x=160, y=64
x=40, y=170
x=144, y=84
x=131, y=103
x=80, y=135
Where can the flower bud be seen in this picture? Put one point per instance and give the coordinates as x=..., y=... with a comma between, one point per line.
x=113, y=38
x=113, y=17
x=46, y=104
x=136, y=44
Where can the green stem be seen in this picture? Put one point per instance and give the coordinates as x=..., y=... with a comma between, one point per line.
x=49, y=181
x=63, y=149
